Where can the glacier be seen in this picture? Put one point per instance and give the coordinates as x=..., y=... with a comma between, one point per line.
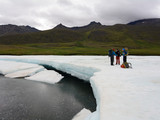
x=121, y=94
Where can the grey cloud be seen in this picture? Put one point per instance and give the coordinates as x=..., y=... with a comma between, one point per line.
x=45, y=14
x=64, y=2
x=127, y=10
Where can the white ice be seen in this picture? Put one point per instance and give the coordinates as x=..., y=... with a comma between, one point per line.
x=121, y=94
x=47, y=76
x=25, y=73
x=7, y=67
x=30, y=71
x=84, y=113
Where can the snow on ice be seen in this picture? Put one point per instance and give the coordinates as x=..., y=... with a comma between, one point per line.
x=121, y=94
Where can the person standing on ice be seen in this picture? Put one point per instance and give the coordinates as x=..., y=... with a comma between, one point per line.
x=111, y=54
x=118, y=54
x=124, y=53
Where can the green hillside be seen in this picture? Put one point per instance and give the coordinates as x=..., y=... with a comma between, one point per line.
x=93, y=39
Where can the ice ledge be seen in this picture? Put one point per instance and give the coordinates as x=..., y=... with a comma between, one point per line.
x=78, y=71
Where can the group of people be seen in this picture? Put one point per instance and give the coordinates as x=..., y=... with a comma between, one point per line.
x=118, y=54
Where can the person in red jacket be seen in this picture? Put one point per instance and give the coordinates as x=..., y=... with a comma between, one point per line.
x=118, y=54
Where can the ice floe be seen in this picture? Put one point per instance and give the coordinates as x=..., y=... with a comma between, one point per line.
x=47, y=76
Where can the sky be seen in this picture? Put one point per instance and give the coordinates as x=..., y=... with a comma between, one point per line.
x=46, y=14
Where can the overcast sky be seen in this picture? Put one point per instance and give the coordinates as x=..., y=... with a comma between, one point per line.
x=46, y=14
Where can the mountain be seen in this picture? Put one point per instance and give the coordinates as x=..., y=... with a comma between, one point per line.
x=141, y=37
x=91, y=26
x=14, y=29
x=153, y=21
x=60, y=26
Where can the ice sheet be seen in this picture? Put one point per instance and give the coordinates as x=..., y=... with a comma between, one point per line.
x=121, y=94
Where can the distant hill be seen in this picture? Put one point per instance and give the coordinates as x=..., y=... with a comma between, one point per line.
x=141, y=37
x=14, y=29
x=155, y=22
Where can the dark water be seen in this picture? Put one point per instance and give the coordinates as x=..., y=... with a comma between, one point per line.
x=28, y=100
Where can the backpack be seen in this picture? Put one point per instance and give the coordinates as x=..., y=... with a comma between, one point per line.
x=126, y=65
x=110, y=53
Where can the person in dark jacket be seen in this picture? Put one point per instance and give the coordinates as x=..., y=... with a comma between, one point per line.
x=124, y=53
x=111, y=55
x=118, y=54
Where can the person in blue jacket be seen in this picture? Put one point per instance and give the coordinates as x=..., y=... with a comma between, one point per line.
x=111, y=55
x=124, y=53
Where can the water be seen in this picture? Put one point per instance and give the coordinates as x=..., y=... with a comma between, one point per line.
x=28, y=100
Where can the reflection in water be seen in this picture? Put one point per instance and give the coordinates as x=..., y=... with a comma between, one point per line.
x=79, y=88
x=29, y=100
x=81, y=91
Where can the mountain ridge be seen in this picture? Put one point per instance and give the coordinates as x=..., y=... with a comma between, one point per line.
x=151, y=21
x=15, y=29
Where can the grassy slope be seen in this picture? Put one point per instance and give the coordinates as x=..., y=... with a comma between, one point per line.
x=141, y=40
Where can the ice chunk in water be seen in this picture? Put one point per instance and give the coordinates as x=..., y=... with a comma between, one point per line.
x=82, y=114
x=47, y=76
